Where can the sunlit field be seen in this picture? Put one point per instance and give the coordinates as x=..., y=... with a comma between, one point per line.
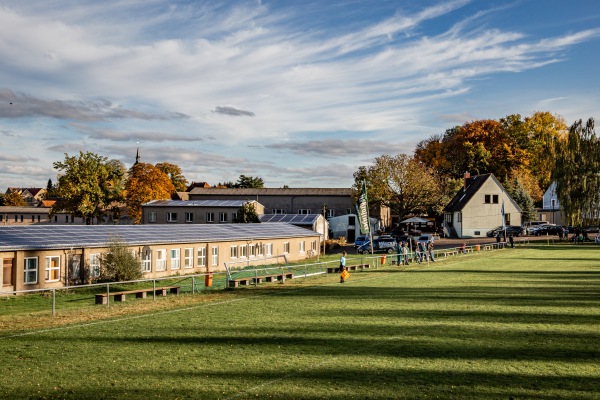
x=518, y=323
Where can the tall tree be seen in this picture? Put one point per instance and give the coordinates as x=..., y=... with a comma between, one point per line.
x=86, y=186
x=144, y=183
x=523, y=199
x=14, y=199
x=576, y=172
x=400, y=182
x=175, y=175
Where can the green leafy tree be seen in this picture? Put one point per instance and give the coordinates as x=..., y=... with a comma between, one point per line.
x=523, y=199
x=86, y=186
x=119, y=264
x=2, y=202
x=50, y=189
x=576, y=172
x=175, y=175
x=247, y=214
x=144, y=183
x=14, y=199
x=249, y=182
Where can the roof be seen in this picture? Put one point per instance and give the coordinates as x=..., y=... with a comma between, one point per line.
x=473, y=185
x=197, y=203
x=34, y=237
x=24, y=210
x=273, y=191
x=295, y=219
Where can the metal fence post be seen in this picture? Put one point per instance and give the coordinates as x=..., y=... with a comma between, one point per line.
x=153, y=289
x=107, y=295
x=53, y=302
x=193, y=285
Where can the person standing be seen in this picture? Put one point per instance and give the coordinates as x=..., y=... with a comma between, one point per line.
x=342, y=266
x=398, y=253
x=405, y=253
x=512, y=240
x=430, y=250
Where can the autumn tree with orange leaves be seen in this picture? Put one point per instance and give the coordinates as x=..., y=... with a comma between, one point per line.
x=145, y=183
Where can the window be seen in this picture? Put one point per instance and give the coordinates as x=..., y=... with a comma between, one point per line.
x=234, y=217
x=189, y=217
x=94, y=265
x=201, y=254
x=171, y=217
x=286, y=247
x=161, y=260
x=553, y=203
x=31, y=270
x=278, y=211
x=33, y=218
x=252, y=250
x=223, y=217
x=304, y=211
x=210, y=217
x=348, y=211
x=495, y=199
x=301, y=246
x=188, y=258
x=175, y=258
x=507, y=219
x=243, y=251
x=147, y=261
x=269, y=249
x=259, y=249
x=234, y=252
x=330, y=213
x=152, y=216
x=74, y=267
x=215, y=255
x=52, y=268
x=1, y=217
x=487, y=199
x=313, y=245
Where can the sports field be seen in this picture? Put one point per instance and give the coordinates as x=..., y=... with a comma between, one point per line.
x=509, y=324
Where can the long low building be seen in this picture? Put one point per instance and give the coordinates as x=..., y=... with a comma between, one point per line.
x=43, y=256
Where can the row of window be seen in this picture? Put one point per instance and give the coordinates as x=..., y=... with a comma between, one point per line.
x=176, y=259
x=189, y=217
x=34, y=218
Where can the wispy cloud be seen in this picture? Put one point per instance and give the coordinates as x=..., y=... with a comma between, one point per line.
x=234, y=112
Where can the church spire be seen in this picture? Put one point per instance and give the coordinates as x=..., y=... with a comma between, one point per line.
x=137, y=156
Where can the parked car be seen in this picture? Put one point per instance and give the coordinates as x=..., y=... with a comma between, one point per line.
x=425, y=238
x=360, y=240
x=514, y=230
x=380, y=245
x=403, y=235
x=548, y=229
x=530, y=226
x=592, y=229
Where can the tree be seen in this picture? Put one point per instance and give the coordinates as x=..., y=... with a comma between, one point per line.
x=2, y=201
x=576, y=172
x=119, y=263
x=247, y=214
x=86, y=187
x=175, y=175
x=523, y=199
x=249, y=182
x=401, y=183
x=144, y=183
x=14, y=199
x=50, y=189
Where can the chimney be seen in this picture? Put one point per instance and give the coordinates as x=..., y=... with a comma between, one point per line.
x=467, y=176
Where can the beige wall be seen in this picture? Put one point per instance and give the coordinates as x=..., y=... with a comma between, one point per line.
x=224, y=255
x=478, y=217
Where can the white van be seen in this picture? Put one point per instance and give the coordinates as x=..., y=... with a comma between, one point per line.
x=528, y=226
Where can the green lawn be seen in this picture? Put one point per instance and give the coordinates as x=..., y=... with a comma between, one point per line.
x=517, y=323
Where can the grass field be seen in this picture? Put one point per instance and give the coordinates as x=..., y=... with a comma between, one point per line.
x=510, y=324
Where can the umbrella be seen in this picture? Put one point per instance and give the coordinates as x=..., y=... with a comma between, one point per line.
x=414, y=220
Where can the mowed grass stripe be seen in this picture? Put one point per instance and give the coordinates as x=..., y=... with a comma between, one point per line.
x=515, y=323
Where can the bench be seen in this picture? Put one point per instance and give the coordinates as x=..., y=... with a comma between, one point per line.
x=450, y=253
x=102, y=298
x=488, y=247
x=246, y=281
x=331, y=270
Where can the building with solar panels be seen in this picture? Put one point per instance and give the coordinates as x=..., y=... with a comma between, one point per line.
x=52, y=256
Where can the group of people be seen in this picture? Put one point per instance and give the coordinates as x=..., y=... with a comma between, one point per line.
x=420, y=252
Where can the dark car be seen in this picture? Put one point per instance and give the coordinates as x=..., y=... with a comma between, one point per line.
x=380, y=245
x=547, y=230
x=514, y=230
x=592, y=229
x=401, y=233
x=360, y=240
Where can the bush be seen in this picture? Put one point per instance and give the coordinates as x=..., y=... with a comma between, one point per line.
x=119, y=264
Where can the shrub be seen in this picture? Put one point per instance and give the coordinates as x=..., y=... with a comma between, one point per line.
x=119, y=264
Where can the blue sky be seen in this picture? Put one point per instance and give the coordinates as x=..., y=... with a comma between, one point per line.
x=299, y=93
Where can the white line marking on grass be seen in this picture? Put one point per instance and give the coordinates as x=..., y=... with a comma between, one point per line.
x=107, y=321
